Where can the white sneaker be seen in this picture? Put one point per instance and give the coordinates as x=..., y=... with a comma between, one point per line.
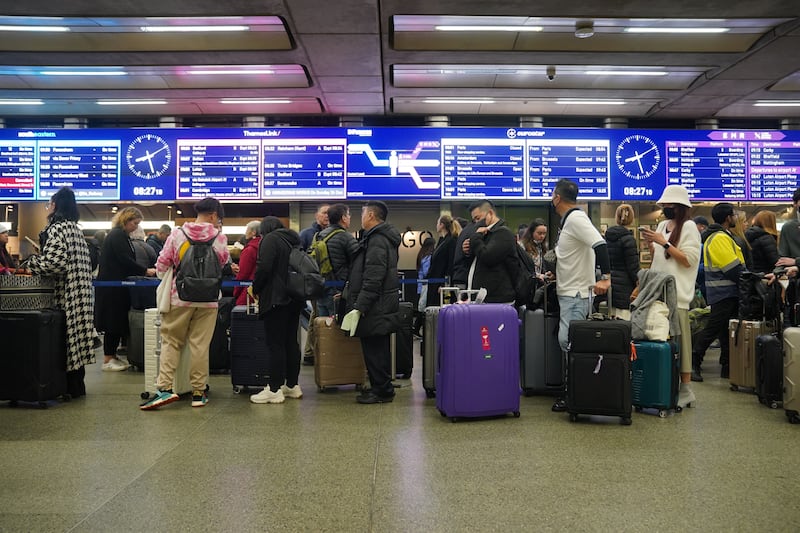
x=267, y=396
x=295, y=392
x=115, y=365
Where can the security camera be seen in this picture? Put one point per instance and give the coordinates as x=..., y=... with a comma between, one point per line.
x=551, y=73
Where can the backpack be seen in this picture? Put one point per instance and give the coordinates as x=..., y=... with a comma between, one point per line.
x=525, y=281
x=319, y=251
x=305, y=281
x=757, y=300
x=198, y=277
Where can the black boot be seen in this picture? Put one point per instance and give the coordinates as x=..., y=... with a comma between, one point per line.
x=75, y=384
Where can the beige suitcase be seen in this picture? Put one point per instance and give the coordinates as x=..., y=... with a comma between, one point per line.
x=152, y=358
x=791, y=374
x=743, y=351
x=338, y=358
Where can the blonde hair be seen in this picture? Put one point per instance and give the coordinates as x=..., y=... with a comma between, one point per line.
x=738, y=229
x=624, y=215
x=451, y=226
x=125, y=215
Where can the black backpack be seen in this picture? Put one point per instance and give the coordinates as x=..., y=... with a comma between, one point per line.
x=757, y=300
x=199, y=274
x=305, y=281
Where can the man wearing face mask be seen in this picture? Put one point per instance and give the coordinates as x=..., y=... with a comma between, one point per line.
x=723, y=262
x=493, y=247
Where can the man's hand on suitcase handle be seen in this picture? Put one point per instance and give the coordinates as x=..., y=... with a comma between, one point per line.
x=601, y=287
x=350, y=321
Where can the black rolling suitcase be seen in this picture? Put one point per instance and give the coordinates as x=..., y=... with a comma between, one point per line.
x=249, y=356
x=404, y=342
x=769, y=370
x=136, y=339
x=33, y=361
x=219, y=353
x=599, y=371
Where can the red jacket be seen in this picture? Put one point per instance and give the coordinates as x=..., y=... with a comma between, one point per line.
x=247, y=268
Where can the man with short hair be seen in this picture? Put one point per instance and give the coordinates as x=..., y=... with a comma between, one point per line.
x=373, y=302
x=7, y=263
x=723, y=263
x=461, y=258
x=188, y=322
x=342, y=248
x=320, y=223
x=580, y=249
x=789, y=241
x=493, y=248
x=157, y=240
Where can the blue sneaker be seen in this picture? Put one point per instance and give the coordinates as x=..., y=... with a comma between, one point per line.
x=160, y=398
x=199, y=398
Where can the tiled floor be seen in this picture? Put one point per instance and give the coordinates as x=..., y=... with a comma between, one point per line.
x=325, y=463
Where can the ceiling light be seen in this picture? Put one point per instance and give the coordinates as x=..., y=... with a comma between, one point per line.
x=585, y=101
x=163, y=29
x=83, y=73
x=626, y=72
x=674, y=30
x=777, y=103
x=584, y=29
x=28, y=101
x=253, y=101
x=489, y=28
x=34, y=28
x=458, y=101
x=229, y=71
x=131, y=102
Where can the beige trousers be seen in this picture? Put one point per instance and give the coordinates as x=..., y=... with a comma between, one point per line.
x=194, y=325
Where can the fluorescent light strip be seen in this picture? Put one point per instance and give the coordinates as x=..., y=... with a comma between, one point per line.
x=579, y=101
x=777, y=103
x=253, y=101
x=230, y=71
x=83, y=73
x=167, y=29
x=22, y=102
x=457, y=101
x=131, y=102
x=626, y=73
x=35, y=28
x=490, y=28
x=674, y=30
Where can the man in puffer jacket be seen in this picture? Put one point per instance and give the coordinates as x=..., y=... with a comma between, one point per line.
x=373, y=301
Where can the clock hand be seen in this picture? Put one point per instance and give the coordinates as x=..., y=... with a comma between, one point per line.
x=152, y=170
x=148, y=155
x=639, y=156
x=639, y=161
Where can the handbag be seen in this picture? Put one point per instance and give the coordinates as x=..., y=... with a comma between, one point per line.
x=163, y=292
x=657, y=322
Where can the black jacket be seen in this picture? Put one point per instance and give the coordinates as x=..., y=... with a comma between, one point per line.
x=374, y=285
x=764, y=249
x=342, y=248
x=461, y=262
x=117, y=259
x=272, y=269
x=497, y=267
x=441, y=265
x=624, y=256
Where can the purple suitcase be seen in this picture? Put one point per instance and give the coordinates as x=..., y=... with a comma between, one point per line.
x=478, y=367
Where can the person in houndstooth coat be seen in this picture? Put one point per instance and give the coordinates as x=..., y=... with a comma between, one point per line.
x=65, y=258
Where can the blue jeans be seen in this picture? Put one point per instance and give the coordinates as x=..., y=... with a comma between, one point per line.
x=325, y=305
x=572, y=308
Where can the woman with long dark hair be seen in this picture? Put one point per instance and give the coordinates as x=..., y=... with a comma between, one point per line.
x=623, y=251
x=448, y=230
x=675, y=249
x=65, y=258
x=534, y=242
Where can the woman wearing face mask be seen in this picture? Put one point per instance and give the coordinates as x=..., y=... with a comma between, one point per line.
x=534, y=242
x=675, y=249
x=623, y=252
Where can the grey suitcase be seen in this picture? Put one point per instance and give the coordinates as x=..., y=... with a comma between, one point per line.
x=428, y=346
x=542, y=362
x=743, y=335
x=791, y=374
x=136, y=339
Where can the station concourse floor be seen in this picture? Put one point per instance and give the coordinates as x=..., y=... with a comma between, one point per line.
x=325, y=463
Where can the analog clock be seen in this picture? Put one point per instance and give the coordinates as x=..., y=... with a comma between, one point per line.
x=148, y=156
x=637, y=157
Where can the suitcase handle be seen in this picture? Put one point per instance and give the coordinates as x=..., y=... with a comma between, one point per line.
x=447, y=290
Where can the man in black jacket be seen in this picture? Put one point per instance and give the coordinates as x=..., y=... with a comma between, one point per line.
x=373, y=301
x=493, y=247
x=462, y=260
x=342, y=248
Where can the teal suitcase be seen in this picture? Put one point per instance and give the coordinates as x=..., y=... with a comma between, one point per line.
x=656, y=377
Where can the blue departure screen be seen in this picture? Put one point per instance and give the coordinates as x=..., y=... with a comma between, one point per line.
x=251, y=164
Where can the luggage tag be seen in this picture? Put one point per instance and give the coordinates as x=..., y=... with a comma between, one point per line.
x=250, y=301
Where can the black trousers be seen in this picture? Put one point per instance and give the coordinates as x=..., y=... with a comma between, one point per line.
x=717, y=328
x=378, y=358
x=280, y=327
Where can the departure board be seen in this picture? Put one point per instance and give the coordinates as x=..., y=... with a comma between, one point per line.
x=89, y=167
x=396, y=163
x=17, y=164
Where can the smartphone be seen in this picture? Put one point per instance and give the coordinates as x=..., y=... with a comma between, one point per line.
x=643, y=228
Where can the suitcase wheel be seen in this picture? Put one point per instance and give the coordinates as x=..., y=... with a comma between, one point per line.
x=793, y=416
x=679, y=409
x=453, y=419
x=662, y=413
x=145, y=395
x=516, y=414
x=430, y=393
x=773, y=404
x=625, y=421
x=637, y=409
x=573, y=417
x=237, y=389
x=734, y=388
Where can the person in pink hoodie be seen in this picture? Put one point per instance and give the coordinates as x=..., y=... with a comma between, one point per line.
x=191, y=322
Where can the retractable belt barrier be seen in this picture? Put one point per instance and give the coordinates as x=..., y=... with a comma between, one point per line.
x=236, y=283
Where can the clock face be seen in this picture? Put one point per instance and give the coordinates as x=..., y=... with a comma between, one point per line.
x=637, y=157
x=148, y=156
